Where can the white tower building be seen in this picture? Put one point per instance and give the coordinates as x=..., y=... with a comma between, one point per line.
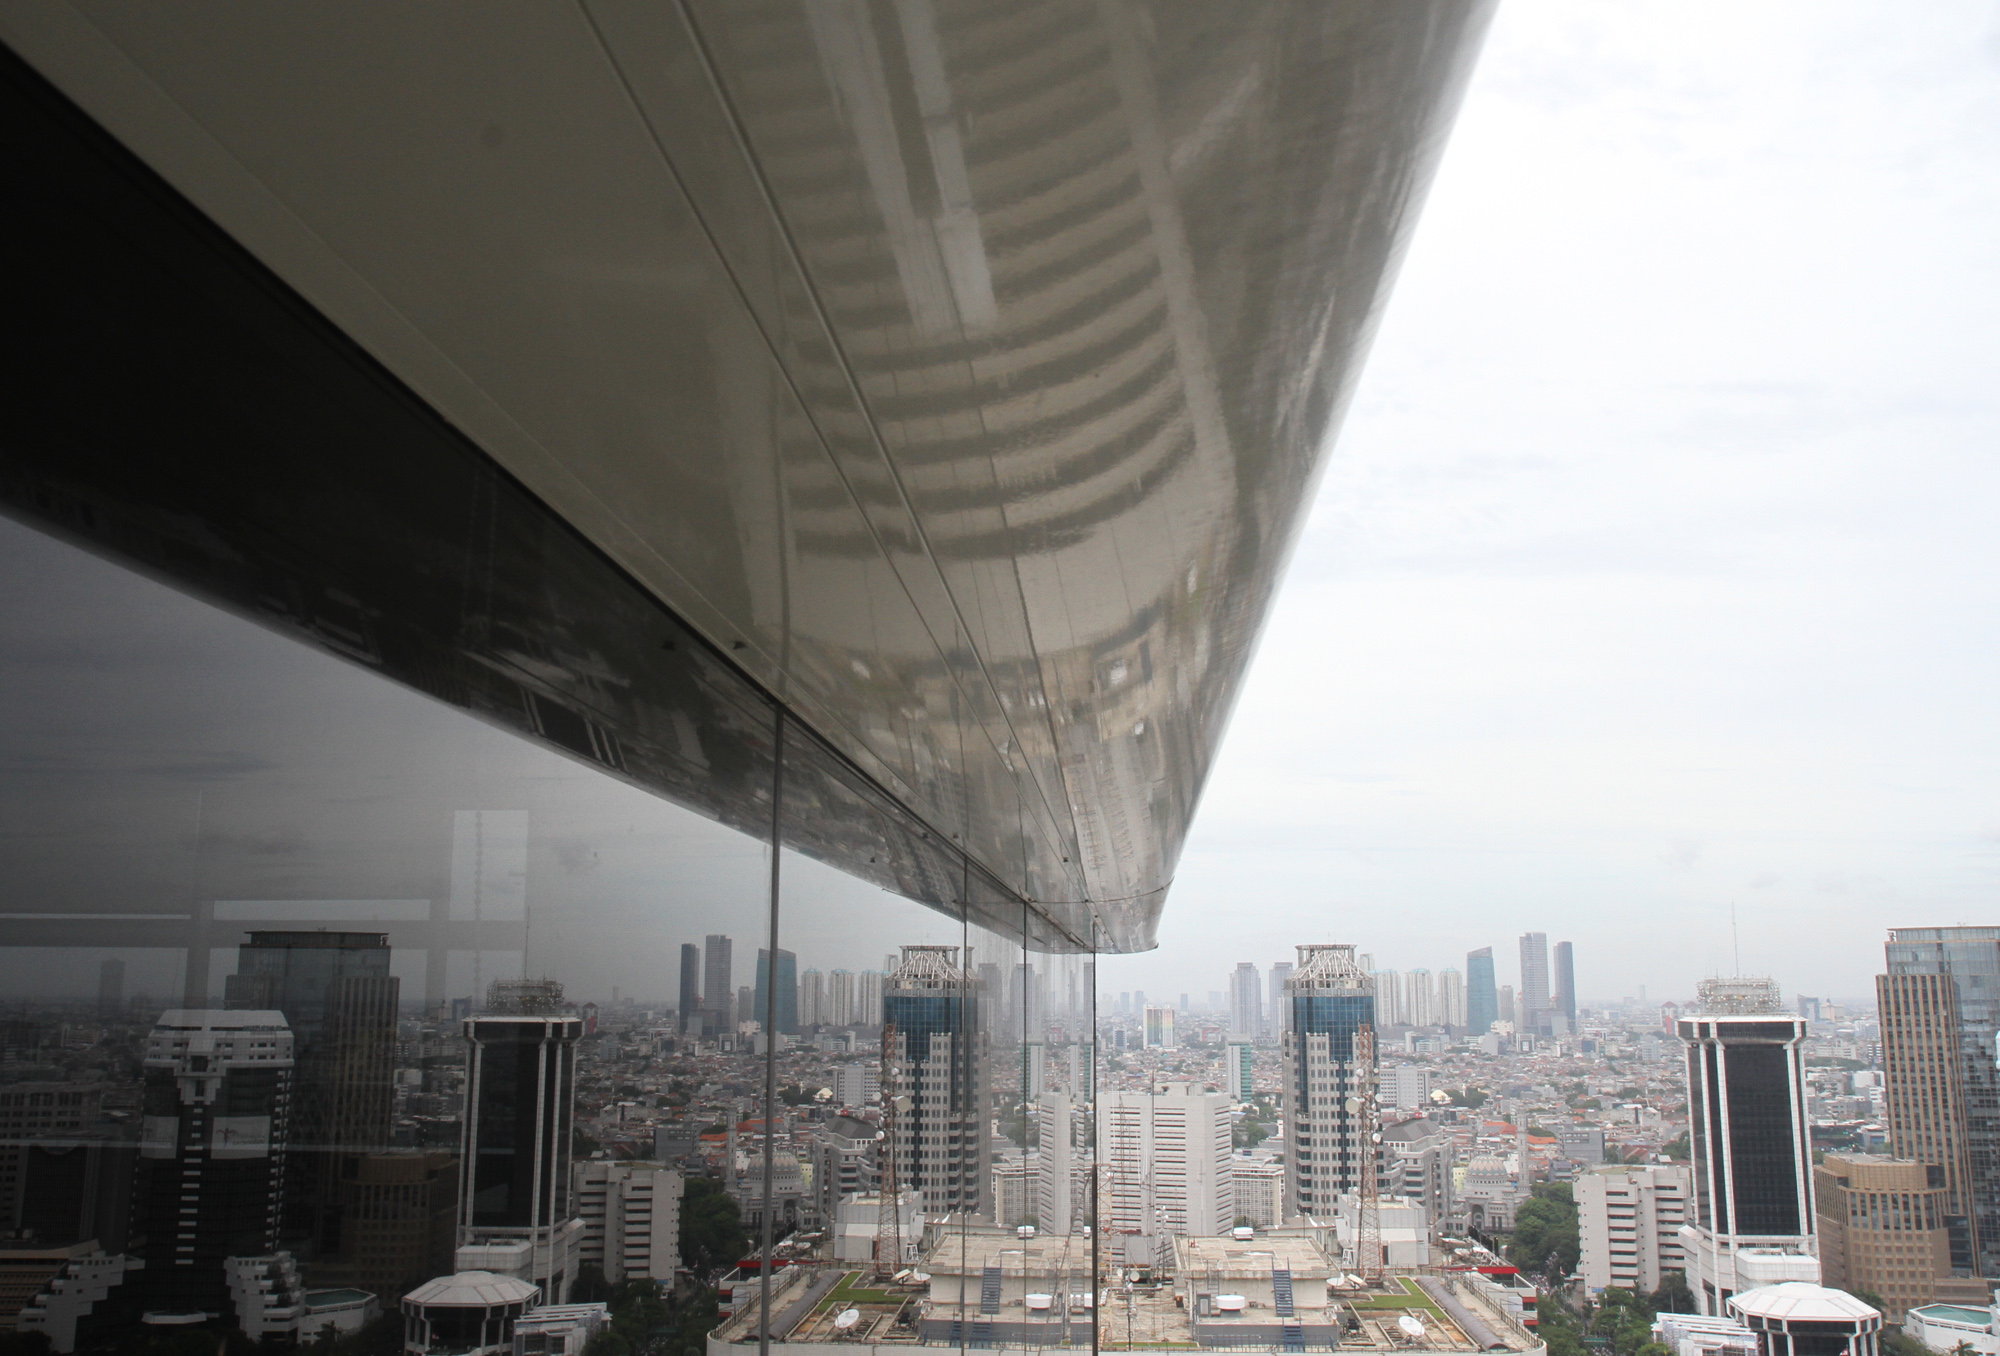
x=1326, y=1139
x=1168, y=1152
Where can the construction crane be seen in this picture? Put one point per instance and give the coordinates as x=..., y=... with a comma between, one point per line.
x=889, y=1212
x=1361, y=1108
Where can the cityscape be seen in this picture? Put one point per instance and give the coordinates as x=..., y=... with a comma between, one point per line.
x=920, y=677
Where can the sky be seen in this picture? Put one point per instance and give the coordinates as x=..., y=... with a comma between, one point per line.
x=1653, y=575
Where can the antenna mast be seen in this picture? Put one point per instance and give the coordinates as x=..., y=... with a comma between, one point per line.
x=889, y=1212
x=1368, y=1252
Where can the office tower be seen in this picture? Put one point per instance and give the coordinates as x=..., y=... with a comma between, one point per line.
x=1159, y=1027
x=631, y=1215
x=1055, y=1165
x=1274, y=1012
x=216, y=1104
x=1482, y=998
x=1417, y=1159
x=111, y=988
x=1504, y=1002
x=1533, y=1001
x=1881, y=1224
x=339, y=1001
x=1034, y=1069
x=1564, y=1000
x=515, y=1215
x=933, y=1069
x=840, y=998
x=1629, y=1222
x=1451, y=999
x=787, y=995
x=1420, y=999
x=1939, y=1007
x=1404, y=1088
x=1751, y=1148
x=688, y=1011
x=746, y=1008
x=1327, y=1143
x=1245, y=1009
x=1809, y=1008
x=1239, y=1060
x=857, y=1084
x=846, y=1159
x=718, y=985
x=1168, y=1154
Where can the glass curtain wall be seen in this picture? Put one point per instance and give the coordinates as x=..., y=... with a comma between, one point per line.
x=396, y=891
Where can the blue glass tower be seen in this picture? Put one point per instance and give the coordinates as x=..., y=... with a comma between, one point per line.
x=1482, y=996
x=931, y=1069
x=788, y=989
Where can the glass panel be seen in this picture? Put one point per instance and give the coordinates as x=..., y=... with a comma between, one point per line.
x=332, y=990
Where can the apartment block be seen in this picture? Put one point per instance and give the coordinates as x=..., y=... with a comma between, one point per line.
x=1629, y=1221
x=1169, y=1155
x=631, y=1219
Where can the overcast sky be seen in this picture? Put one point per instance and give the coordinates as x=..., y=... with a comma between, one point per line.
x=1655, y=568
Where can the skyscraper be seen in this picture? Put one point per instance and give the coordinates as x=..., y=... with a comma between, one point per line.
x=216, y=1108
x=515, y=1214
x=1751, y=1148
x=1482, y=998
x=787, y=995
x=932, y=1068
x=1168, y=1152
x=812, y=999
x=718, y=986
x=1326, y=1141
x=1533, y=1002
x=688, y=1011
x=1451, y=998
x=1565, y=983
x=840, y=998
x=1940, y=1012
x=1245, y=1005
x=339, y=1000
x=1239, y=1062
x=1420, y=999
x=1055, y=1165
x=1274, y=1013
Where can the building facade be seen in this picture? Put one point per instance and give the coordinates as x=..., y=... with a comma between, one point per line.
x=1751, y=1147
x=1327, y=1136
x=1629, y=1222
x=1167, y=1152
x=1533, y=999
x=1246, y=1008
x=1939, y=1006
x=1882, y=1225
x=933, y=1067
x=631, y=1214
x=1482, y=994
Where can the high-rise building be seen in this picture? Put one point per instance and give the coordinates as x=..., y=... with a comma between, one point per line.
x=1239, y=1061
x=787, y=995
x=1751, y=1147
x=1420, y=999
x=1504, y=1003
x=868, y=997
x=1482, y=997
x=1882, y=1228
x=1326, y=1134
x=1245, y=1005
x=339, y=1000
x=1629, y=1222
x=516, y=1215
x=812, y=999
x=1451, y=999
x=1939, y=1006
x=1564, y=999
x=1167, y=1149
x=631, y=1215
x=688, y=1011
x=933, y=1070
x=1274, y=1012
x=1533, y=1001
x=718, y=985
x=1159, y=1027
x=1055, y=1165
x=1388, y=990
x=746, y=1008
x=840, y=998
x=110, y=987
x=215, y=1111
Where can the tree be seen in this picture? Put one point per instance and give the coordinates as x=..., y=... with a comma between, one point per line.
x=1545, y=1232
x=1673, y=1296
x=712, y=1236
x=590, y=1285
x=1677, y=1148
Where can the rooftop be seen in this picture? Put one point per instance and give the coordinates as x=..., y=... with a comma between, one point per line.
x=1253, y=1257
x=1793, y=1301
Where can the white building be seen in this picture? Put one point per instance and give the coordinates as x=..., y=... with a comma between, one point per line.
x=1055, y=1165
x=1700, y=1335
x=1629, y=1220
x=631, y=1216
x=1238, y=1070
x=857, y=1084
x=1015, y=1181
x=1405, y=1228
x=1169, y=1155
x=1405, y=1087
x=1259, y=1187
x=1416, y=1160
x=559, y=1329
x=1941, y=1327
x=71, y=1294
x=812, y=999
